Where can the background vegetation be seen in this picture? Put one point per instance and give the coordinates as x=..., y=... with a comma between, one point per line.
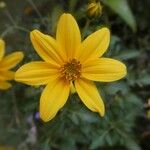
x=126, y=124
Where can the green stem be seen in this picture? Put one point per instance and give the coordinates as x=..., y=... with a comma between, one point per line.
x=37, y=11
x=86, y=27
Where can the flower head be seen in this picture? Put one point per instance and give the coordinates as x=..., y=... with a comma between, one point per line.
x=69, y=63
x=7, y=63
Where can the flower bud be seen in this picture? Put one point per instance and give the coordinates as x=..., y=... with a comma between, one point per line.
x=2, y=4
x=94, y=9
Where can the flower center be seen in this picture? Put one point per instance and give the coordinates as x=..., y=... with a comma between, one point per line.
x=71, y=70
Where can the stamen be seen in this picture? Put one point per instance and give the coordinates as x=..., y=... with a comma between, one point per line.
x=71, y=70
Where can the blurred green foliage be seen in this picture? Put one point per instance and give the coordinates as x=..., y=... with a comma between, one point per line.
x=121, y=7
x=75, y=127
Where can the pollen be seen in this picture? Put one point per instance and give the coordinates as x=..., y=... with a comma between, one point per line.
x=71, y=70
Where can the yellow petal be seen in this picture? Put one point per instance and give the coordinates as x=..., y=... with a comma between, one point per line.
x=104, y=70
x=94, y=45
x=4, y=85
x=46, y=47
x=68, y=35
x=2, y=48
x=11, y=60
x=6, y=75
x=89, y=95
x=53, y=99
x=36, y=73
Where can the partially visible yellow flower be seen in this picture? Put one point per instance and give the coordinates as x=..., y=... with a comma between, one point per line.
x=148, y=111
x=6, y=148
x=7, y=63
x=94, y=8
x=69, y=62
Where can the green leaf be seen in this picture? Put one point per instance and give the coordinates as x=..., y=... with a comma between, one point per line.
x=128, y=54
x=72, y=4
x=134, y=99
x=144, y=80
x=113, y=88
x=121, y=7
x=97, y=142
x=131, y=144
x=45, y=145
x=57, y=11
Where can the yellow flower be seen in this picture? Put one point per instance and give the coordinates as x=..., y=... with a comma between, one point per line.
x=94, y=9
x=6, y=148
x=148, y=110
x=6, y=63
x=69, y=62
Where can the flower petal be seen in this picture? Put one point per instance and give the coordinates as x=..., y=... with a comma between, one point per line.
x=45, y=46
x=104, y=70
x=94, y=45
x=89, y=95
x=68, y=35
x=11, y=60
x=2, y=48
x=53, y=98
x=36, y=73
x=4, y=85
x=6, y=75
